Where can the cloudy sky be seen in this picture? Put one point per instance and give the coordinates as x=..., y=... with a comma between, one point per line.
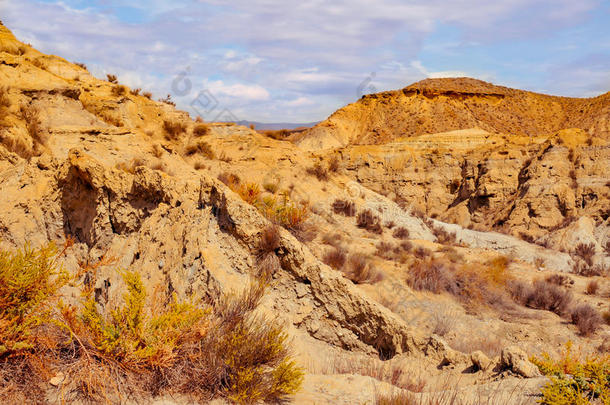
x=298, y=61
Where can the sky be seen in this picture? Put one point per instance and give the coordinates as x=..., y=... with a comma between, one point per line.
x=299, y=61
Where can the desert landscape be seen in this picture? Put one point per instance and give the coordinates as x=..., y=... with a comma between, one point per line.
x=443, y=243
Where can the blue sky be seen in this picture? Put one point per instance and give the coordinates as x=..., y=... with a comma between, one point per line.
x=288, y=61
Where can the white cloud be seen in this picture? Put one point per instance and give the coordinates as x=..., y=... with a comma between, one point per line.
x=241, y=91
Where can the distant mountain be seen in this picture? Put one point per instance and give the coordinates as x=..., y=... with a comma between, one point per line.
x=276, y=126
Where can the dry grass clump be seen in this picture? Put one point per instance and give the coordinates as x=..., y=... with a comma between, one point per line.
x=359, y=269
x=433, y=275
x=147, y=94
x=278, y=135
x=201, y=148
x=130, y=167
x=112, y=78
x=368, y=220
x=231, y=180
x=271, y=187
x=319, y=171
x=396, y=398
x=560, y=280
x=201, y=129
x=139, y=349
x=270, y=240
x=332, y=239
x=586, y=252
x=335, y=258
x=119, y=91
x=135, y=92
x=344, y=207
x=334, y=164
x=443, y=236
x=586, y=319
x=168, y=100
x=5, y=104
x=401, y=233
x=542, y=295
x=173, y=129
x=286, y=213
x=592, y=287
x=31, y=116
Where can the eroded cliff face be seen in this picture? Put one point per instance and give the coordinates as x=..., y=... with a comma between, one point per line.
x=96, y=162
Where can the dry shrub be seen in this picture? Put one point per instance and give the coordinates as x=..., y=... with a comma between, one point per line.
x=271, y=187
x=119, y=90
x=490, y=345
x=586, y=252
x=147, y=94
x=230, y=180
x=433, y=275
x=560, y=280
x=270, y=240
x=444, y=237
x=335, y=258
x=442, y=323
x=334, y=164
x=319, y=171
x=592, y=287
x=135, y=92
x=390, y=224
x=288, y=214
x=134, y=351
x=422, y=252
x=387, y=250
x=199, y=165
x=344, y=207
x=173, y=129
x=277, y=135
x=31, y=116
x=201, y=129
x=332, y=239
x=586, y=319
x=201, y=148
x=223, y=157
x=541, y=295
x=359, y=269
x=368, y=220
x=112, y=78
x=168, y=100
x=249, y=192
x=401, y=233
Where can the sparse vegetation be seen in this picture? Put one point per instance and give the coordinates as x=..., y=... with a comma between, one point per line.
x=173, y=129
x=319, y=171
x=334, y=164
x=201, y=148
x=585, y=252
x=586, y=319
x=542, y=295
x=335, y=258
x=401, y=233
x=359, y=269
x=119, y=91
x=344, y=207
x=31, y=116
x=443, y=236
x=271, y=187
x=147, y=94
x=592, y=287
x=201, y=129
x=168, y=100
x=135, y=92
x=134, y=350
x=368, y=220
x=574, y=381
x=112, y=78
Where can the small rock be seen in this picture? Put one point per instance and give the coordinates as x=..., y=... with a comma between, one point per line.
x=480, y=360
x=515, y=359
x=57, y=380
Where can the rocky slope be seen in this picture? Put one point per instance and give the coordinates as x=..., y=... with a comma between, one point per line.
x=136, y=180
